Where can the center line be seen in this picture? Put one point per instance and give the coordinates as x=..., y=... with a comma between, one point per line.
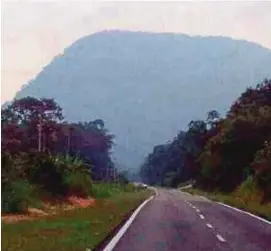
x=219, y=237
x=209, y=225
x=197, y=210
x=201, y=216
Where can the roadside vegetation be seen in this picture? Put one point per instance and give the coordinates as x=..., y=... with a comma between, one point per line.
x=229, y=157
x=73, y=230
x=45, y=158
x=60, y=188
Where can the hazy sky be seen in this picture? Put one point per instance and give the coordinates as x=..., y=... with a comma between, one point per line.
x=33, y=32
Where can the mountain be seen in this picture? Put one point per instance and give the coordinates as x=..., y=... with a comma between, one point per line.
x=148, y=86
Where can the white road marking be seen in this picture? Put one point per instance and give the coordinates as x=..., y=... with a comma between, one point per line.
x=245, y=212
x=117, y=237
x=197, y=210
x=220, y=238
x=184, y=187
x=209, y=225
x=193, y=207
x=201, y=216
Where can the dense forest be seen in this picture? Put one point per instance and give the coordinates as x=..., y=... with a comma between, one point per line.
x=220, y=153
x=42, y=155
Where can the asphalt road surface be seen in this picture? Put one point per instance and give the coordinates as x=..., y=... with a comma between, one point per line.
x=177, y=221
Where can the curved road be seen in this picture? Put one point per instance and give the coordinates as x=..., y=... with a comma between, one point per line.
x=177, y=221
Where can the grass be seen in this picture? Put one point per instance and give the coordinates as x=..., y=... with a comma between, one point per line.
x=239, y=200
x=104, y=190
x=74, y=230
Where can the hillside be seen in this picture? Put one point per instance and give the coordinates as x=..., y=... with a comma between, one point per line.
x=147, y=86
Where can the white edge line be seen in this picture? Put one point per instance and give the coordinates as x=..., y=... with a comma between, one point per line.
x=122, y=231
x=220, y=238
x=209, y=225
x=201, y=216
x=245, y=212
x=204, y=198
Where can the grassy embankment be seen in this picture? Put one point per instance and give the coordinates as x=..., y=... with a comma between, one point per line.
x=78, y=229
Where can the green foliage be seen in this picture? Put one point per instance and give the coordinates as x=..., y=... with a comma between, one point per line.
x=25, y=174
x=18, y=196
x=221, y=153
x=235, y=150
x=57, y=158
x=78, y=183
x=262, y=168
x=13, y=168
x=60, y=175
x=106, y=190
x=74, y=229
x=248, y=190
x=44, y=172
x=129, y=188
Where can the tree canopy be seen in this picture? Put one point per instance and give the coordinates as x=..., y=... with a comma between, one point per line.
x=220, y=153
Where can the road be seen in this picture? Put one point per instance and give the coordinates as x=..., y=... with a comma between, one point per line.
x=177, y=221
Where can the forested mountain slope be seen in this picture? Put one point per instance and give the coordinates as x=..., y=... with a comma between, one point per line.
x=146, y=86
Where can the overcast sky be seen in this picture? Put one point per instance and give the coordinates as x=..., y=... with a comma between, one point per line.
x=33, y=32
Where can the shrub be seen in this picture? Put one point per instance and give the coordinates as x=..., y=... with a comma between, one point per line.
x=13, y=167
x=129, y=188
x=262, y=167
x=101, y=190
x=44, y=171
x=18, y=196
x=248, y=190
x=78, y=183
x=60, y=175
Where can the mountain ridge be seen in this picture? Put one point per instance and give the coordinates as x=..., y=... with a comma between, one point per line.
x=148, y=86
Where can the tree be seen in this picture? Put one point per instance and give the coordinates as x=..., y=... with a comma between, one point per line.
x=38, y=119
x=229, y=152
x=212, y=118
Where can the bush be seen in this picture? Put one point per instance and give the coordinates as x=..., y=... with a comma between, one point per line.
x=262, y=167
x=43, y=171
x=60, y=175
x=101, y=190
x=13, y=167
x=248, y=190
x=18, y=196
x=78, y=183
x=129, y=188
